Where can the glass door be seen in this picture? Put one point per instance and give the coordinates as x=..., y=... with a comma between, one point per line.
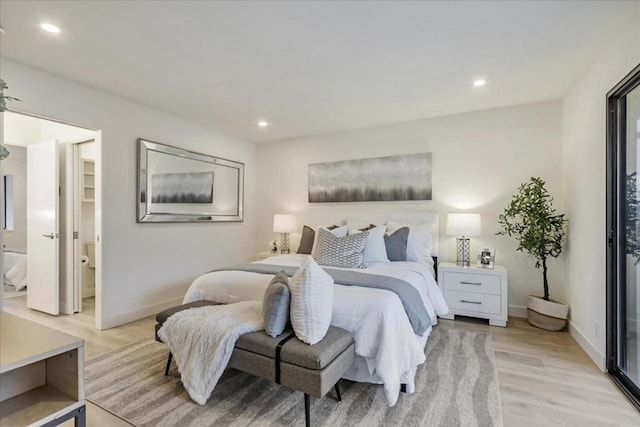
x=623, y=221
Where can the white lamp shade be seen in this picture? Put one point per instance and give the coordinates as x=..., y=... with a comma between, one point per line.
x=283, y=223
x=463, y=224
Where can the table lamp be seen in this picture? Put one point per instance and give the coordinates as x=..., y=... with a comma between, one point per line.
x=284, y=224
x=463, y=225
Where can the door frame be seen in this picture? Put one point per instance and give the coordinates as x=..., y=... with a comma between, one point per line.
x=616, y=162
x=98, y=324
x=73, y=218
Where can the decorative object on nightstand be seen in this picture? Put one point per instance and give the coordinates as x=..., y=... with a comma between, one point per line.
x=284, y=224
x=486, y=258
x=474, y=292
x=531, y=219
x=273, y=246
x=463, y=225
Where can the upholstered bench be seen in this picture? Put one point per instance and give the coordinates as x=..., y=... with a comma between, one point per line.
x=311, y=369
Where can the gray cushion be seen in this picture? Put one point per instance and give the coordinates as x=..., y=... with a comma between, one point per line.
x=308, y=237
x=319, y=355
x=346, y=252
x=306, y=240
x=275, y=305
x=396, y=244
x=261, y=343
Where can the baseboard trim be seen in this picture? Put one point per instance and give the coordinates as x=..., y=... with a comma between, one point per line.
x=517, y=311
x=150, y=310
x=588, y=347
x=88, y=292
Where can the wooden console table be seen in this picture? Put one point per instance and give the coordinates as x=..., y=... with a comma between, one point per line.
x=41, y=374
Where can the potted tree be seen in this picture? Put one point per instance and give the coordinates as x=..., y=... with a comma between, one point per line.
x=532, y=220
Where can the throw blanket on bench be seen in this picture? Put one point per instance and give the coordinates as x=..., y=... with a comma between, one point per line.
x=202, y=340
x=409, y=296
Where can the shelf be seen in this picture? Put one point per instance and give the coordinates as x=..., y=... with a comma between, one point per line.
x=89, y=173
x=88, y=200
x=39, y=404
x=89, y=186
x=41, y=373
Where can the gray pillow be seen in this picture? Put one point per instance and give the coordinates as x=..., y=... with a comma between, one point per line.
x=396, y=244
x=346, y=252
x=275, y=305
x=306, y=241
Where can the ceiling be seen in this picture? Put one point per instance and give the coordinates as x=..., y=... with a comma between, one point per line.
x=314, y=67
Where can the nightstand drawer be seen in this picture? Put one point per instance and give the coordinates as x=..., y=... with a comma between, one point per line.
x=469, y=282
x=467, y=301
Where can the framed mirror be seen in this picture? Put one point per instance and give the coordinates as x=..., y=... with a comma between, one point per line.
x=177, y=185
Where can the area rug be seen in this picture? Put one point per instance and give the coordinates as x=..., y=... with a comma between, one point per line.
x=456, y=386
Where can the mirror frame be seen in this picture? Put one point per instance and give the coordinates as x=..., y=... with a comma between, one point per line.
x=143, y=213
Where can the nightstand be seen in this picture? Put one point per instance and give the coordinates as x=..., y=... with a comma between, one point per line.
x=474, y=292
x=266, y=254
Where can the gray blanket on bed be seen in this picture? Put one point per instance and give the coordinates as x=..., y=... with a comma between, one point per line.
x=409, y=296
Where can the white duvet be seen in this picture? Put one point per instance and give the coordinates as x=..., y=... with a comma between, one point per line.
x=387, y=349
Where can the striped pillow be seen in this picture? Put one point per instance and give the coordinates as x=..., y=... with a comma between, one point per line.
x=346, y=252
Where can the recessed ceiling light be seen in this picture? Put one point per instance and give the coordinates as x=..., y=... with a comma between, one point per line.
x=479, y=83
x=49, y=28
x=263, y=124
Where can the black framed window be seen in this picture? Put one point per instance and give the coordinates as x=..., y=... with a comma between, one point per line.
x=623, y=229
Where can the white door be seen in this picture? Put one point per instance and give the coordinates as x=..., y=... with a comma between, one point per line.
x=42, y=227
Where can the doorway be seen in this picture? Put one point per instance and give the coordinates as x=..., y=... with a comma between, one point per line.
x=54, y=212
x=623, y=227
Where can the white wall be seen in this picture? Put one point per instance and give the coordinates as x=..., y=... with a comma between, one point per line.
x=479, y=160
x=16, y=165
x=584, y=187
x=146, y=267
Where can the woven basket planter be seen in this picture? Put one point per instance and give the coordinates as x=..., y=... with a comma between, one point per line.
x=547, y=315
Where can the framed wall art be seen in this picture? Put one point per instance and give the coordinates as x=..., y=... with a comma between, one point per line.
x=177, y=185
x=392, y=178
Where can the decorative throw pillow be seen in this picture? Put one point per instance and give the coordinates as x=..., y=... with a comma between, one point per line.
x=374, y=249
x=275, y=305
x=346, y=252
x=306, y=241
x=396, y=244
x=311, y=302
x=418, y=242
x=309, y=235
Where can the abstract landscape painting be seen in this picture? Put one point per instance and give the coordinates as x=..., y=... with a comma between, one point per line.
x=393, y=178
x=195, y=187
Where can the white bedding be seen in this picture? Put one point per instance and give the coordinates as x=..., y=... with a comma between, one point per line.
x=388, y=351
x=15, y=269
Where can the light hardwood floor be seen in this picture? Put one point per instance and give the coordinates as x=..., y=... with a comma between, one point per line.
x=545, y=378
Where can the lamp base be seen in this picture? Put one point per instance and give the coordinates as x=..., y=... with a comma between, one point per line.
x=463, y=251
x=284, y=243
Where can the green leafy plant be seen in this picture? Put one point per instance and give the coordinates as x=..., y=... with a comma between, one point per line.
x=531, y=219
x=632, y=226
x=3, y=97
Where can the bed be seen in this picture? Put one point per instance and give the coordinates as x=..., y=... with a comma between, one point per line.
x=388, y=351
x=15, y=268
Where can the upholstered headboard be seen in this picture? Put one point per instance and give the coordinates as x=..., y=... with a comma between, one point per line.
x=431, y=218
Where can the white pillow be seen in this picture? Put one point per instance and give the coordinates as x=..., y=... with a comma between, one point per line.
x=356, y=224
x=338, y=232
x=418, y=242
x=375, y=249
x=311, y=302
